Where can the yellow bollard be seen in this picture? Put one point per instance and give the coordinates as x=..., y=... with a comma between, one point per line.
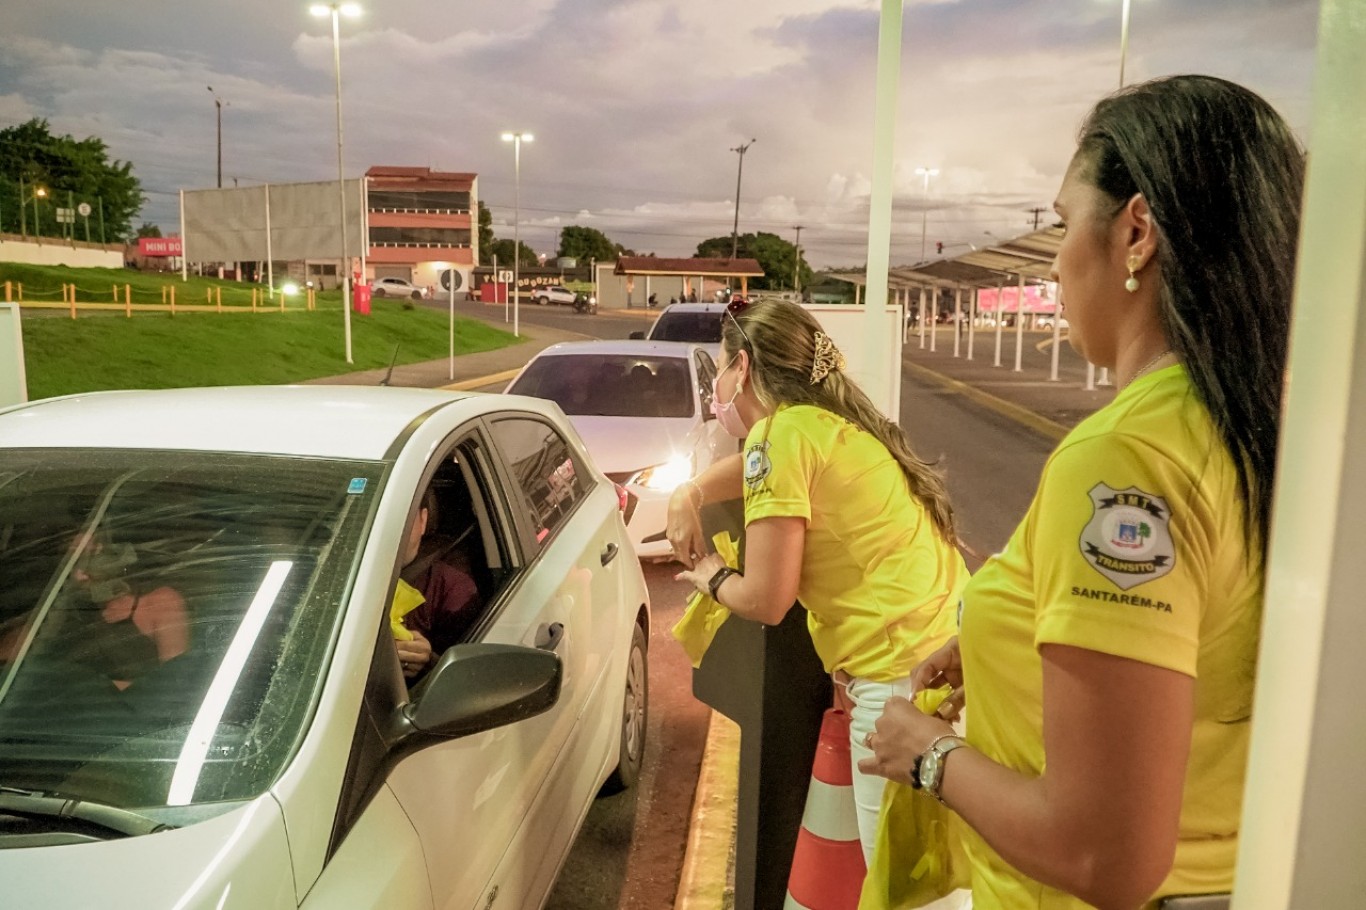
x=8, y=291
x=255, y=293
x=115, y=289
x=128, y=301
x=208, y=295
x=20, y=285
x=218, y=298
x=70, y=290
x=172, y=300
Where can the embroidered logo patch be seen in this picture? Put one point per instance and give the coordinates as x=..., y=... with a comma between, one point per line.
x=1128, y=539
x=757, y=465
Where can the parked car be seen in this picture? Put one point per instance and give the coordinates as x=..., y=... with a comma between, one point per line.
x=553, y=293
x=397, y=287
x=643, y=409
x=280, y=760
x=699, y=323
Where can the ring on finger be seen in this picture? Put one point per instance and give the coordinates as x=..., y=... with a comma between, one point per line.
x=868, y=740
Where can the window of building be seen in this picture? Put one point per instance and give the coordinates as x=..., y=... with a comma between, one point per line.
x=418, y=201
x=419, y=236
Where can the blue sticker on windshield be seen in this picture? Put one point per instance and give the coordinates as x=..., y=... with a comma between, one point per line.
x=357, y=485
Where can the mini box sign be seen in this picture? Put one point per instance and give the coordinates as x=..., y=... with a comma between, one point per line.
x=160, y=246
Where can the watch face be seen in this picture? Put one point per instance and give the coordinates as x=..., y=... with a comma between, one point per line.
x=929, y=771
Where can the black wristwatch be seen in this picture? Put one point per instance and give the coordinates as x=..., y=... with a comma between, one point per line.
x=721, y=575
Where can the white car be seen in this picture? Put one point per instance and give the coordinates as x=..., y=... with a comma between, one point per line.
x=553, y=294
x=277, y=758
x=643, y=409
x=396, y=287
x=699, y=323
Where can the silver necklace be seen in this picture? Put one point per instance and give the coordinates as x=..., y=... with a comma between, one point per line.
x=1145, y=368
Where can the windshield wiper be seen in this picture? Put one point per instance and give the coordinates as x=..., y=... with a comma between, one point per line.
x=46, y=806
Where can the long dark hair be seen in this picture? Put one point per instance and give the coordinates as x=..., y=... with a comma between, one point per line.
x=781, y=339
x=1223, y=176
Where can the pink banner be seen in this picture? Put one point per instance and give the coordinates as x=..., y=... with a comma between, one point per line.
x=1037, y=299
x=159, y=246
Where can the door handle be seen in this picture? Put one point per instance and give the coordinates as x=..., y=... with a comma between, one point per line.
x=549, y=636
x=609, y=553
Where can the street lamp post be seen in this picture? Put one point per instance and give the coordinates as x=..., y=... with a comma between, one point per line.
x=38, y=193
x=927, y=173
x=739, y=172
x=797, y=257
x=516, y=138
x=218, y=103
x=336, y=10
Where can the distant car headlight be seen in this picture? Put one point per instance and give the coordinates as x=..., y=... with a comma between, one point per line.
x=667, y=476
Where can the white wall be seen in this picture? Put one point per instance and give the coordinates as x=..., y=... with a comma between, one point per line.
x=53, y=251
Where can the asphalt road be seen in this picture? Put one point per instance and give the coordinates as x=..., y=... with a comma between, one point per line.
x=630, y=852
x=606, y=324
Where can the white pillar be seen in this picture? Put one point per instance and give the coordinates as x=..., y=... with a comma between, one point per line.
x=957, y=316
x=1057, y=334
x=922, y=318
x=270, y=252
x=1303, y=824
x=1019, y=321
x=184, y=263
x=1000, y=313
x=934, y=319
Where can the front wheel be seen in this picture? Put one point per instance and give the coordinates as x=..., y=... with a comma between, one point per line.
x=543, y=300
x=378, y=292
x=635, y=714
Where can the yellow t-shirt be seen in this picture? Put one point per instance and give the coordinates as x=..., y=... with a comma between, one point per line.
x=1133, y=546
x=879, y=583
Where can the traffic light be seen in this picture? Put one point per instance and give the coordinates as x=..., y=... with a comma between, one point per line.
x=939, y=247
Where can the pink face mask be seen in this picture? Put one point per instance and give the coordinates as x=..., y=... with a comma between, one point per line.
x=728, y=415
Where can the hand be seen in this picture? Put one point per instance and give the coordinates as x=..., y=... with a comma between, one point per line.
x=684, y=525
x=701, y=573
x=414, y=655
x=942, y=668
x=901, y=735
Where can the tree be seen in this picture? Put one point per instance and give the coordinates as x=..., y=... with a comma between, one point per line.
x=775, y=255
x=75, y=170
x=149, y=230
x=486, y=235
x=585, y=243
x=503, y=250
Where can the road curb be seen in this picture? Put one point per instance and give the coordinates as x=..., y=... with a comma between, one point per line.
x=1050, y=429
x=705, y=879
x=465, y=385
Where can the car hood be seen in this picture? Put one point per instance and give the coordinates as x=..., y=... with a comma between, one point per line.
x=239, y=859
x=620, y=444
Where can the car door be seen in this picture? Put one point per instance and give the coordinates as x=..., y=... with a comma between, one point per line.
x=471, y=799
x=577, y=546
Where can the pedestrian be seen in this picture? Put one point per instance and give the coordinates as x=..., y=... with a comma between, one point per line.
x=1108, y=652
x=840, y=515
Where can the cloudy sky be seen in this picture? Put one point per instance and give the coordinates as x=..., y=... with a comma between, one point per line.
x=636, y=104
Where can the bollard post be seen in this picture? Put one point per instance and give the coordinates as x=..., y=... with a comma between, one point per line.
x=254, y=294
x=71, y=297
x=172, y=300
x=115, y=289
x=8, y=291
x=128, y=301
x=218, y=298
x=20, y=285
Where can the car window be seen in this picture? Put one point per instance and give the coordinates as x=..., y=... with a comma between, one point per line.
x=610, y=385
x=701, y=328
x=543, y=465
x=166, y=617
x=706, y=375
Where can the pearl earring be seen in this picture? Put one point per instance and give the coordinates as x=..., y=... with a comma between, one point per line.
x=1131, y=284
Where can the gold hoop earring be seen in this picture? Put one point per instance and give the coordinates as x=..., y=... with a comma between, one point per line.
x=1131, y=283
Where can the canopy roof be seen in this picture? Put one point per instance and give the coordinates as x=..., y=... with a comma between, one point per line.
x=1029, y=255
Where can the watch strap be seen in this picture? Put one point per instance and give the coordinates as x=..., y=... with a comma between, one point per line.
x=721, y=575
x=935, y=757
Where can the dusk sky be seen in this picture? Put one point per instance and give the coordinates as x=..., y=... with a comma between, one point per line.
x=636, y=103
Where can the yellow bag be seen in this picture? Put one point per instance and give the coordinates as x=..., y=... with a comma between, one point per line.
x=703, y=615
x=918, y=856
x=406, y=600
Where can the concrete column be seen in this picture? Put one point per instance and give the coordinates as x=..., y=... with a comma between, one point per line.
x=972, y=318
x=1000, y=313
x=1019, y=321
x=957, y=317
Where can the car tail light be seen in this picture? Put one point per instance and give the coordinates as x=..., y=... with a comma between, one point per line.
x=623, y=497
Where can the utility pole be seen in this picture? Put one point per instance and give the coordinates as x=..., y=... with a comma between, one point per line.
x=735, y=229
x=797, y=258
x=218, y=103
x=1036, y=211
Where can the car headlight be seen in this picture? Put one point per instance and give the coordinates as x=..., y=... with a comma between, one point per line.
x=667, y=476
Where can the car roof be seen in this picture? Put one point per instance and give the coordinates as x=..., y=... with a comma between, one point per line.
x=629, y=347
x=361, y=422
x=709, y=307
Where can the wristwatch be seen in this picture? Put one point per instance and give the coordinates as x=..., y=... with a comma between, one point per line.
x=930, y=770
x=721, y=575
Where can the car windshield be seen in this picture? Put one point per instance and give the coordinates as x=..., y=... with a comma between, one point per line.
x=610, y=385
x=700, y=328
x=166, y=618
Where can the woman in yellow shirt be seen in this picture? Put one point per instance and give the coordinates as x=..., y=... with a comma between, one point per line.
x=1108, y=652
x=839, y=514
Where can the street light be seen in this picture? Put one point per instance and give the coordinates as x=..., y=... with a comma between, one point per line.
x=927, y=173
x=219, y=103
x=739, y=172
x=38, y=193
x=336, y=11
x=516, y=139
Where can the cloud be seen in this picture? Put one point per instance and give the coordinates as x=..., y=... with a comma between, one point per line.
x=636, y=103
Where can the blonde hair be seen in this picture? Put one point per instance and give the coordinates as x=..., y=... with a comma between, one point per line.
x=780, y=337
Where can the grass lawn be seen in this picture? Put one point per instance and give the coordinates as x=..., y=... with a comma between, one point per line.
x=156, y=350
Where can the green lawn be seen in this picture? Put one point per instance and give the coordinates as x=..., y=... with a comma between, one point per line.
x=156, y=350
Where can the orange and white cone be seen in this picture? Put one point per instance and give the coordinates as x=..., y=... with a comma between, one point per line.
x=828, y=866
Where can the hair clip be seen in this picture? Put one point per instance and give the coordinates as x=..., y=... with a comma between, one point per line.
x=827, y=358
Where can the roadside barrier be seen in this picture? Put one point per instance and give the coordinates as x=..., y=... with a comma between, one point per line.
x=828, y=866
x=74, y=299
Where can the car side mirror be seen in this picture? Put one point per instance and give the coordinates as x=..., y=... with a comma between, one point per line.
x=479, y=687
x=637, y=336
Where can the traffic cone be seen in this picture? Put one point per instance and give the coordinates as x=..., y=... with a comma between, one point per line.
x=827, y=866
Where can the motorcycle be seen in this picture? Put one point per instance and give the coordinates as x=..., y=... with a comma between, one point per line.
x=585, y=303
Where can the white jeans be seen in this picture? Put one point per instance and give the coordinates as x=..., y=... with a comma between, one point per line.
x=868, y=698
